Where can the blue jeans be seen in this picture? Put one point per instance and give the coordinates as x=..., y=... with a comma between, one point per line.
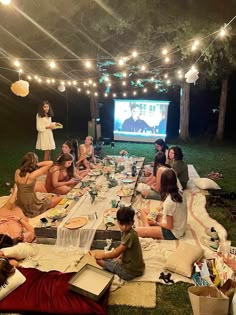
x=167, y=234
x=115, y=266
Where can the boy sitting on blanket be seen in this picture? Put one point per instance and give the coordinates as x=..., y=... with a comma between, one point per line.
x=131, y=264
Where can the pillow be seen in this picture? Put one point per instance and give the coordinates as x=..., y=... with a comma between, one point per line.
x=206, y=183
x=181, y=261
x=13, y=282
x=20, y=251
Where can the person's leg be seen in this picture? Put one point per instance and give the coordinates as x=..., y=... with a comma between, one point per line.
x=115, y=267
x=150, y=231
x=54, y=201
x=40, y=187
x=62, y=190
x=10, y=204
x=46, y=156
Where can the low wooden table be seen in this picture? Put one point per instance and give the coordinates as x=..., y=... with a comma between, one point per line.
x=83, y=207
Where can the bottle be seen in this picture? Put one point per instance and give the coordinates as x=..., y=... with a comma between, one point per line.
x=134, y=169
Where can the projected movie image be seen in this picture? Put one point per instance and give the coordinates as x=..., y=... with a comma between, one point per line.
x=140, y=120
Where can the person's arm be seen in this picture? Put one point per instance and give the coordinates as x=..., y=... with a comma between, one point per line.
x=93, y=156
x=113, y=254
x=40, y=126
x=55, y=179
x=28, y=230
x=43, y=168
x=157, y=185
x=169, y=223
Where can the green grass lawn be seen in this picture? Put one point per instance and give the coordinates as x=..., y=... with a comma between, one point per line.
x=205, y=157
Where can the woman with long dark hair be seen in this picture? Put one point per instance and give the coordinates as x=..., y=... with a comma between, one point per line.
x=44, y=126
x=61, y=177
x=171, y=222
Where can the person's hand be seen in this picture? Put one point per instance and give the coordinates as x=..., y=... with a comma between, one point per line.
x=58, y=124
x=52, y=126
x=145, y=193
x=99, y=255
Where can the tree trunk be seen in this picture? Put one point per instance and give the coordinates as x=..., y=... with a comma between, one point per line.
x=222, y=110
x=184, y=111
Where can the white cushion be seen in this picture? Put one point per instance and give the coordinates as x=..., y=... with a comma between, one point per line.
x=181, y=261
x=13, y=282
x=206, y=183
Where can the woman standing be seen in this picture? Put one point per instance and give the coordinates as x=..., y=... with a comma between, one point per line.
x=44, y=126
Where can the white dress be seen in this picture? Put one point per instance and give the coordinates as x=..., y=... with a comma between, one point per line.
x=45, y=140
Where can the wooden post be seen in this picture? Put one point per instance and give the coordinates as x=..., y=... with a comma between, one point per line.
x=184, y=111
x=222, y=110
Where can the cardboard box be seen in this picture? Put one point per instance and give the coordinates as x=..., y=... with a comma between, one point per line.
x=91, y=281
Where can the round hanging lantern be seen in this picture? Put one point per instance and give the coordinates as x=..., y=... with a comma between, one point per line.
x=61, y=88
x=20, y=88
x=192, y=75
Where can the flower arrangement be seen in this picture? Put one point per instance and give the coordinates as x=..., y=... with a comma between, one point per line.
x=124, y=152
x=107, y=172
x=93, y=194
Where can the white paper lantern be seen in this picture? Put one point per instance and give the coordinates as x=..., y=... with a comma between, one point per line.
x=192, y=75
x=20, y=88
x=61, y=88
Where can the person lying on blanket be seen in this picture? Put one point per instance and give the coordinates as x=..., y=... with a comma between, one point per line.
x=13, y=222
x=171, y=223
x=131, y=264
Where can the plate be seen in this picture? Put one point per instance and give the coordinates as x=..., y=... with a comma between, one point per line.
x=76, y=223
x=121, y=193
x=57, y=213
x=110, y=213
x=128, y=180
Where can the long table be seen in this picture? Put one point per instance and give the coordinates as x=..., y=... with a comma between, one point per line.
x=95, y=228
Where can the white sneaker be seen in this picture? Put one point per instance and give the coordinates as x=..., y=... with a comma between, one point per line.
x=212, y=233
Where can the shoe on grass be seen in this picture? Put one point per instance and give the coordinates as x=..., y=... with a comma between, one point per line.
x=212, y=233
x=210, y=243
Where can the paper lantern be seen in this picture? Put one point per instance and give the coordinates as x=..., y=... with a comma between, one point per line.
x=61, y=88
x=20, y=88
x=191, y=76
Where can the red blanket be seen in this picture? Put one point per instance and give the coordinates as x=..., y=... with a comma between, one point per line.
x=48, y=292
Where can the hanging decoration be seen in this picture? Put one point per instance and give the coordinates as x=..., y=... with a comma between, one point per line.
x=192, y=75
x=20, y=88
x=61, y=88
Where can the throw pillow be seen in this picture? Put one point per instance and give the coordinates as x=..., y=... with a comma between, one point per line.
x=181, y=261
x=13, y=282
x=206, y=183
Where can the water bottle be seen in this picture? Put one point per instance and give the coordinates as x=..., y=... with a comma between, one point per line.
x=134, y=169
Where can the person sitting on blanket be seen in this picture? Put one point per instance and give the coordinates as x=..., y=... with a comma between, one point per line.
x=13, y=222
x=154, y=182
x=62, y=177
x=180, y=167
x=86, y=154
x=71, y=147
x=171, y=223
x=25, y=179
x=131, y=264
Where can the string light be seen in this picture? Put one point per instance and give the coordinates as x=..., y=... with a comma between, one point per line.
x=79, y=89
x=123, y=83
x=5, y=2
x=222, y=32
x=20, y=71
x=168, y=81
x=52, y=65
x=134, y=93
x=156, y=86
x=145, y=90
x=124, y=74
x=105, y=95
x=124, y=94
x=166, y=76
x=134, y=54
x=164, y=52
x=17, y=63
x=88, y=64
x=74, y=82
x=167, y=59
x=95, y=94
x=29, y=77
x=121, y=62
x=143, y=68
x=114, y=94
